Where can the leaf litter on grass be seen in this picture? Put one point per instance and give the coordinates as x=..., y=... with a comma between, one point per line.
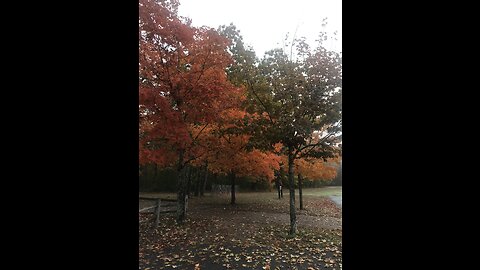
x=230, y=239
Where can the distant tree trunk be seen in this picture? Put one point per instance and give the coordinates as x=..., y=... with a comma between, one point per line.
x=300, y=180
x=191, y=170
x=293, y=217
x=277, y=183
x=232, y=179
x=204, y=184
x=197, y=187
x=338, y=179
x=281, y=188
x=215, y=178
x=182, y=180
x=280, y=181
x=155, y=171
x=197, y=183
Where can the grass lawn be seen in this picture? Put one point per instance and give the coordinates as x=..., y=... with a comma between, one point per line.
x=264, y=198
x=319, y=192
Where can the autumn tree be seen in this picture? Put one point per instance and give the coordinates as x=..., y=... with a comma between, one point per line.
x=205, y=147
x=314, y=169
x=258, y=153
x=244, y=72
x=301, y=97
x=182, y=87
x=232, y=155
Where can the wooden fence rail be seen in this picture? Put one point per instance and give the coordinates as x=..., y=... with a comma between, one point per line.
x=159, y=204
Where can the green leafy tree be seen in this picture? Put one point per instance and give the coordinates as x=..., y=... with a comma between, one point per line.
x=303, y=105
x=297, y=100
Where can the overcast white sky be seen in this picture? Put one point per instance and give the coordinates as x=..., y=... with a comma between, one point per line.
x=264, y=23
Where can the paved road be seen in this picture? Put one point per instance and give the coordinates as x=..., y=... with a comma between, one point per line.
x=337, y=199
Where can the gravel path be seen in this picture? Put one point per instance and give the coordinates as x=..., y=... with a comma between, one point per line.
x=337, y=200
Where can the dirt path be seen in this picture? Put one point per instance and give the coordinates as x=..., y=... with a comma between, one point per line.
x=272, y=218
x=302, y=220
x=337, y=199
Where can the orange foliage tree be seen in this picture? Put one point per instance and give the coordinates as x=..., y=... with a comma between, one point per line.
x=231, y=155
x=311, y=168
x=182, y=87
x=314, y=169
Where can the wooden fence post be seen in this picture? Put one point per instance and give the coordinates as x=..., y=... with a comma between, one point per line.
x=157, y=219
x=186, y=203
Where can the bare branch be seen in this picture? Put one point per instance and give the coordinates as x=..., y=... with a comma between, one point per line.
x=200, y=132
x=264, y=106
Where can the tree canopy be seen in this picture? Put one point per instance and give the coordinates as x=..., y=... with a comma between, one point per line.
x=205, y=97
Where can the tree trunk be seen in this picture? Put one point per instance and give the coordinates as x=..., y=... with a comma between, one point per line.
x=197, y=183
x=300, y=180
x=278, y=188
x=182, y=180
x=232, y=179
x=191, y=172
x=155, y=171
x=280, y=180
x=215, y=178
x=293, y=217
x=204, y=184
